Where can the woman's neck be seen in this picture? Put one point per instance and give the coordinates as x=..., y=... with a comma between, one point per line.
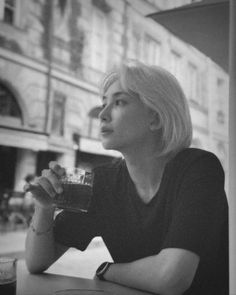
x=146, y=173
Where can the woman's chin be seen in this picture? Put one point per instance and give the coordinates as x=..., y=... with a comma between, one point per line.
x=109, y=145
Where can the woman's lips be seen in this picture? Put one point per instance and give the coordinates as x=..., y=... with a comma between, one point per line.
x=106, y=131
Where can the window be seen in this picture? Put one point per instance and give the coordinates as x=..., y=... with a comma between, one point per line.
x=175, y=64
x=221, y=93
x=193, y=83
x=203, y=88
x=8, y=104
x=58, y=114
x=61, y=51
x=135, y=42
x=151, y=51
x=8, y=11
x=99, y=41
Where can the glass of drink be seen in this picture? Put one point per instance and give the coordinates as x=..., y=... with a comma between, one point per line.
x=77, y=192
x=8, y=276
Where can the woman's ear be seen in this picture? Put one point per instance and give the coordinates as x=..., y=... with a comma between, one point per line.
x=155, y=123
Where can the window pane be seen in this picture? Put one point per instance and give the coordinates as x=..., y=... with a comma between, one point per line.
x=8, y=15
x=175, y=61
x=220, y=101
x=58, y=116
x=136, y=42
x=152, y=51
x=99, y=41
x=10, y=3
x=9, y=11
x=193, y=82
x=8, y=104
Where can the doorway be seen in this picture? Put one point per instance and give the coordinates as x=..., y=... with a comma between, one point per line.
x=8, y=157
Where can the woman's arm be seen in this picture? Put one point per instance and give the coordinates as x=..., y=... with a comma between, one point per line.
x=41, y=249
x=171, y=272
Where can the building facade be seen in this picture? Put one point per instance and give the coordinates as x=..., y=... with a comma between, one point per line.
x=53, y=55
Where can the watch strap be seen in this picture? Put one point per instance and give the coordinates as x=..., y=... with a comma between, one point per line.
x=102, y=269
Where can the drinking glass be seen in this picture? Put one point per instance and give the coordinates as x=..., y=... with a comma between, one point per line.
x=77, y=192
x=8, y=276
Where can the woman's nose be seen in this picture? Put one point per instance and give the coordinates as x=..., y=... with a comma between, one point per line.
x=105, y=114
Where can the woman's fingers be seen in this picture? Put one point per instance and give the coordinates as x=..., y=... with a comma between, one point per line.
x=40, y=195
x=46, y=184
x=56, y=168
x=45, y=187
x=53, y=179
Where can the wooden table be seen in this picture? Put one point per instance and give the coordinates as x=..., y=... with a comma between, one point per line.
x=47, y=284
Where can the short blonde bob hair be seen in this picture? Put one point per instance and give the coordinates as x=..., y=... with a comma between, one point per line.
x=161, y=92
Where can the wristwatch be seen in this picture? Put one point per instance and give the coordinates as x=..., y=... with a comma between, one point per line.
x=102, y=269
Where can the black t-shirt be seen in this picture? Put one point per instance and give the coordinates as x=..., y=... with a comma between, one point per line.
x=189, y=211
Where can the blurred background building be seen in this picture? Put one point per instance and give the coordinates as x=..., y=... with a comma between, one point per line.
x=53, y=55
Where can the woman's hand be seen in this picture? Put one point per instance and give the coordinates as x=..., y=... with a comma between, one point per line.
x=45, y=187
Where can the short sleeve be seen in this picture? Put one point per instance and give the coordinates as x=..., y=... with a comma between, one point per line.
x=75, y=229
x=200, y=209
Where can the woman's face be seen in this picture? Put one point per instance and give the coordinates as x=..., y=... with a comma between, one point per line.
x=125, y=120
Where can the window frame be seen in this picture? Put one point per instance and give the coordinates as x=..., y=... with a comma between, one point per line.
x=16, y=14
x=175, y=64
x=12, y=102
x=59, y=132
x=193, y=96
x=150, y=40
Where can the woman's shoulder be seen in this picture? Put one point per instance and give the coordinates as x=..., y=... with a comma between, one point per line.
x=193, y=154
x=197, y=160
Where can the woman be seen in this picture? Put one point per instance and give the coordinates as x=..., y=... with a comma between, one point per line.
x=161, y=210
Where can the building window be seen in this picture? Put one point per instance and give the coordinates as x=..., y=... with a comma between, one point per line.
x=61, y=51
x=135, y=42
x=193, y=83
x=8, y=104
x=151, y=51
x=175, y=64
x=8, y=11
x=99, y=40
x=58, y=114
x=221, y=93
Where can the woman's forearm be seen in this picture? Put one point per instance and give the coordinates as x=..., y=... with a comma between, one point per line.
x=142, y=274
x=40, y=245
x=156, y=274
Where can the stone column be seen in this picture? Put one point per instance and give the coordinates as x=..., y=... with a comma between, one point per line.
x=26, y=164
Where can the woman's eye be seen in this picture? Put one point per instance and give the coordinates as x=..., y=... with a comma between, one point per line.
x=120, y=102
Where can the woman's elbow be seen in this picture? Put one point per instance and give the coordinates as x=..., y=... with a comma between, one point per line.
x=34, y=268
